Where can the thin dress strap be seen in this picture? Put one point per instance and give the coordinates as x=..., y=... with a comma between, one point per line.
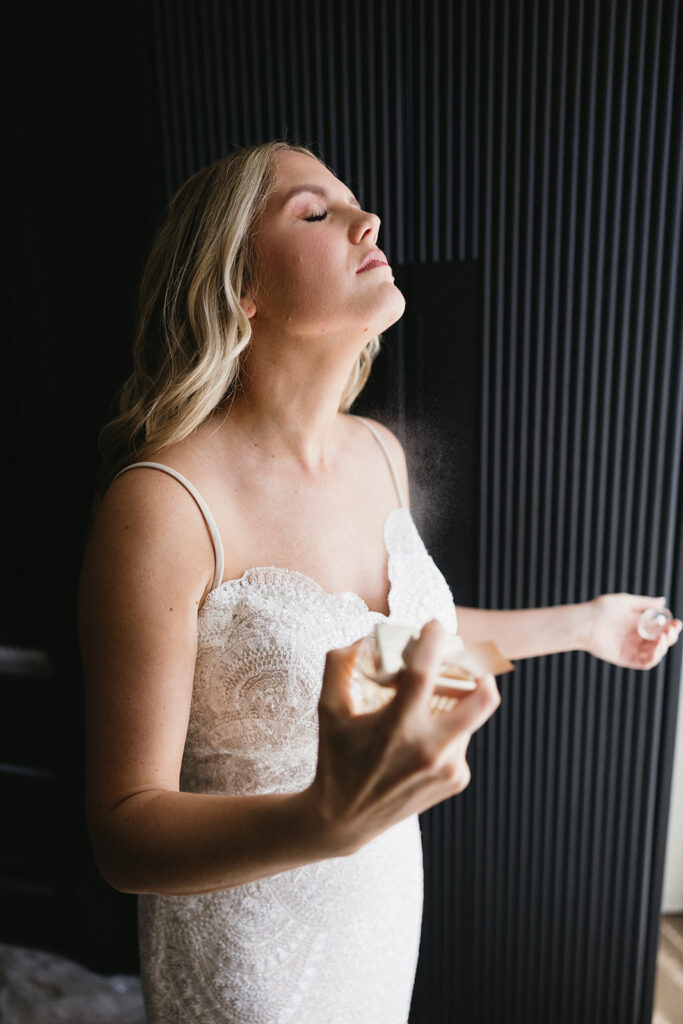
x=204, y=508
x=387, y=456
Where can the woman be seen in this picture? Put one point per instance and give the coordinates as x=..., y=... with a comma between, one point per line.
x=270, y=831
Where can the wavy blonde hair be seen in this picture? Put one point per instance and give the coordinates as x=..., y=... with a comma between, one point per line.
x=191, y=329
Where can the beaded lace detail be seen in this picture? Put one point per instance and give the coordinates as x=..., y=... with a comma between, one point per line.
x=328, y=943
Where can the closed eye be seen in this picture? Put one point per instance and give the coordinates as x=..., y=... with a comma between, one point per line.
x=317, y=216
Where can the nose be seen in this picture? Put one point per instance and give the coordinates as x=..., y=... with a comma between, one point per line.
x=365, y=225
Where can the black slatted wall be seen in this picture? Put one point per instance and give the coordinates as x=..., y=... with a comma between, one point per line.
x=525, y=158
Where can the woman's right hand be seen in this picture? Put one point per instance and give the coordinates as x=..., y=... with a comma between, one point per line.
x=376, y=769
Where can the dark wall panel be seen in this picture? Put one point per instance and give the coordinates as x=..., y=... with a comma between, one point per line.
x=580, y=494
x=538, y=142
x=82, y=189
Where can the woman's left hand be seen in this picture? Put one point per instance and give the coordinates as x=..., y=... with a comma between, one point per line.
x=614, y=636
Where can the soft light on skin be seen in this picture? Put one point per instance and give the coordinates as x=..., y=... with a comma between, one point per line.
x=308, y=295
x=311, y=313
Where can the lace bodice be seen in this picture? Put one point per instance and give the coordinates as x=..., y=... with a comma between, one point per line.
x=262, y=641
x=334, y=942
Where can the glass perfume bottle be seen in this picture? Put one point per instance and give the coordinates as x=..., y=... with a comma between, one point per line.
x=652, y=622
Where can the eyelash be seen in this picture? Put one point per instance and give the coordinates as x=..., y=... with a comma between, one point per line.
x=317, y=216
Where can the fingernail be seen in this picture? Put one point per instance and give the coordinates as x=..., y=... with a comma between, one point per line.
x=661, y=599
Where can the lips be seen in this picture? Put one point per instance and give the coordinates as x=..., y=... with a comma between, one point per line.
x=376, y=258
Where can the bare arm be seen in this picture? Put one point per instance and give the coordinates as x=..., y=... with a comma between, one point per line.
x=147, y=565
x=528, y=632
x=606, y=627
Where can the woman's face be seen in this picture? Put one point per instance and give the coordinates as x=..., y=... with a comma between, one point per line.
x=309, y=243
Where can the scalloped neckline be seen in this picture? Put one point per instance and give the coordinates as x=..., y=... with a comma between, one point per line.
x=296, y=575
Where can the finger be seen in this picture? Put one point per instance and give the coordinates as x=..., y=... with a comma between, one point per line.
x=335, y=694
x=422, y=655
x=673, y=631
x=644, y=601
x=472, y=709
x=415, y=683
x=665, y=641
x=656, y=651
x=454, y=771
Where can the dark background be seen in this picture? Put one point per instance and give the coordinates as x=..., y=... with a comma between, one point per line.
x=526, y=161
x=83, y=191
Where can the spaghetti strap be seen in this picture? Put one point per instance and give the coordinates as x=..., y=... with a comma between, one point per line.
x=204, y=508
x=387, y=456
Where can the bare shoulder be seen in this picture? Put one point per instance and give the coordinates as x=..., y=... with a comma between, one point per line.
x=149, y=527
x=396, y=453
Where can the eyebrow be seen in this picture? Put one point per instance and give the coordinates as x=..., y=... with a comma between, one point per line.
x=317, y=190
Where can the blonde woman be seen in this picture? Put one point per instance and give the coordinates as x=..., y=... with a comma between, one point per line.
x=271, y=832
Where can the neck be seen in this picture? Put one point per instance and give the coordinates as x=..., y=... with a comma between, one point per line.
x=290, y=412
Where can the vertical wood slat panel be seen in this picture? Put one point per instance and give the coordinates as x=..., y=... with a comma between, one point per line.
x=553, y=155
x=595, y=799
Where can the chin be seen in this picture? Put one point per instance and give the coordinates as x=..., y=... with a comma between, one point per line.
x=392, y=310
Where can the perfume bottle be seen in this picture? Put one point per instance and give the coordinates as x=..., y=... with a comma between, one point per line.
x=381, y=656
x=652, y=622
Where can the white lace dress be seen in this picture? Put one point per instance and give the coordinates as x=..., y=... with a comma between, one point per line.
x=334, y=942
